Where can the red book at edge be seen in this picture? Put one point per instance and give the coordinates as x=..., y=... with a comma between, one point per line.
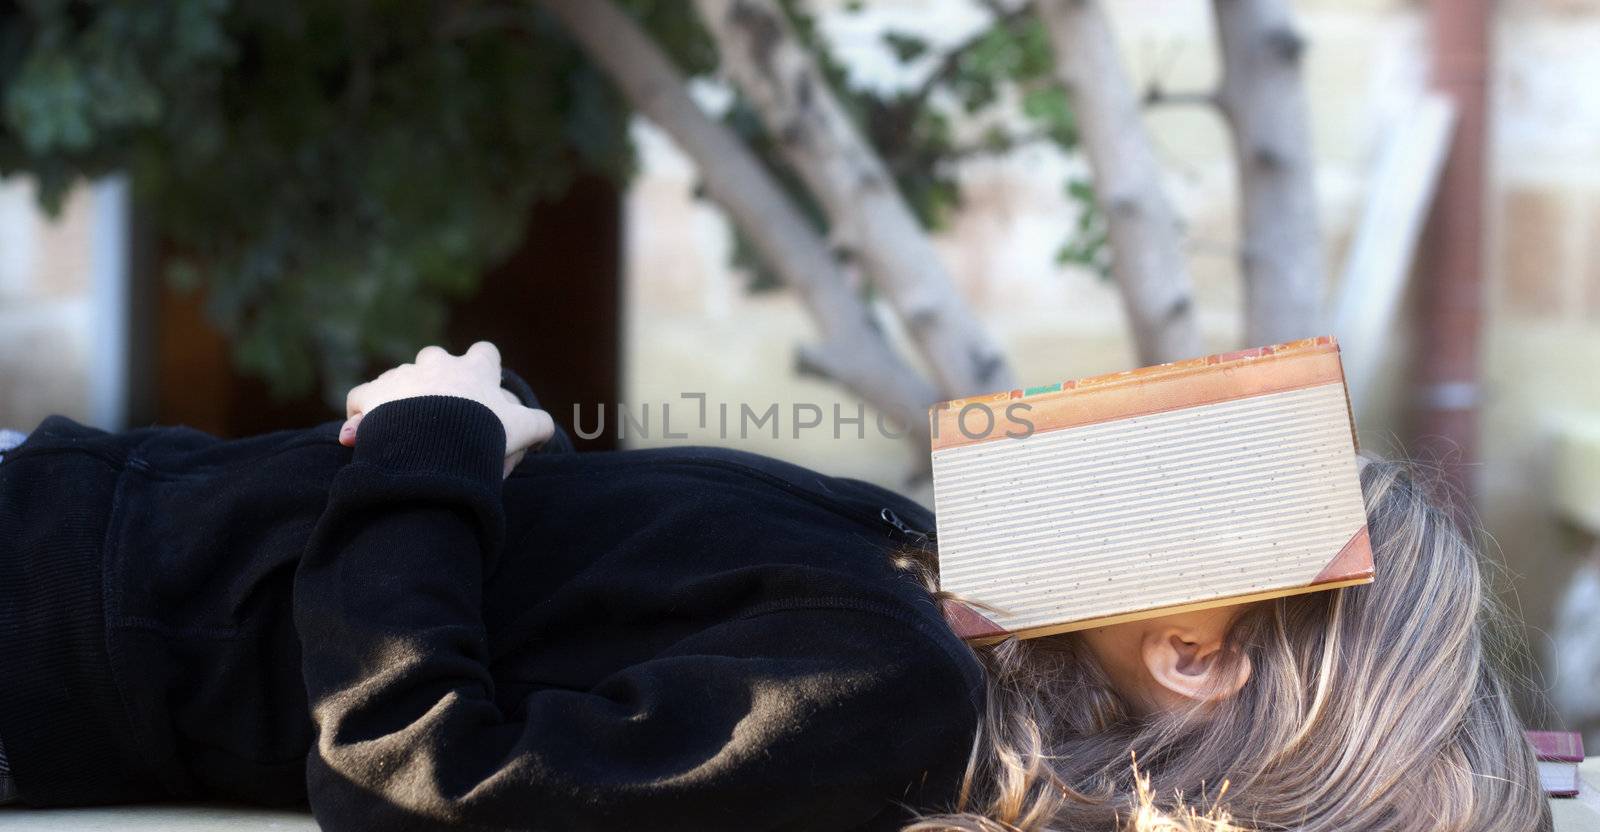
x=1559, y=754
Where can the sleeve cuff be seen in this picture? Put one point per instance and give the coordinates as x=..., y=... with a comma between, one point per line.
x=434, y=434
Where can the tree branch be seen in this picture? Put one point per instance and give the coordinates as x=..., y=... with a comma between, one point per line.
x=816, y=137
x=1146, y=252
x=737, y=181
x=1263, y=100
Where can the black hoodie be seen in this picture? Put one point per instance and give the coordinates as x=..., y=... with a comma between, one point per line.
x=659, y=639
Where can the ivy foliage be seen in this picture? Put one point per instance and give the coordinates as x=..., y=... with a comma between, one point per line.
x=332, y=174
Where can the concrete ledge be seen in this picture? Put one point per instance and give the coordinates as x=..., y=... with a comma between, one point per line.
x=1580, y=814
x=155, y=818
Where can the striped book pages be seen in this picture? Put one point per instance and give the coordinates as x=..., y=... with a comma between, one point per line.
x=1183, y=486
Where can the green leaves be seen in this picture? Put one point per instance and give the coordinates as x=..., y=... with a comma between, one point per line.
x=329, y=173
x=81, y=80
x=49, y=105
x=1089, y=246
x=1048, y=107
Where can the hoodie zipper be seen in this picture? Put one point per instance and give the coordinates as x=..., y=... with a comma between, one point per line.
x=887, y=515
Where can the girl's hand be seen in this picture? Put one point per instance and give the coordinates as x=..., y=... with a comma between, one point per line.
x=474, y=375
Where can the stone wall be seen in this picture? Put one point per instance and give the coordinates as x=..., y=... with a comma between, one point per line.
x=46, y=307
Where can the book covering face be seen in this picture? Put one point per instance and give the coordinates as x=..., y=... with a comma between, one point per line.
x=1220, y=480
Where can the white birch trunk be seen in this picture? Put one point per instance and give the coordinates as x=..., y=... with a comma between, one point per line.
x=1263, y=99
x=1145, y=236
x=853, y=351
x=865, y=209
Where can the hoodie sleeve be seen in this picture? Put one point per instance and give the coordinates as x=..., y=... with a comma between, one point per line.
x=794, y=718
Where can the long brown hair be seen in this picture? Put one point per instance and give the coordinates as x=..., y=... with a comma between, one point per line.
x=1373, y=708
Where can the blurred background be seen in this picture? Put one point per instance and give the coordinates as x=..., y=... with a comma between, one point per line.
x=224, y=213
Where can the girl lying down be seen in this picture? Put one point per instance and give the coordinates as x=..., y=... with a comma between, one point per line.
x=436, y=616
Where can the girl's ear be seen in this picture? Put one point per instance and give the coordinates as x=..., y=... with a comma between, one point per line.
x=1187, y=661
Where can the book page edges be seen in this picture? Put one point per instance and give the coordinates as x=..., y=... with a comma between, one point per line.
x=1121, y=618
x=1352, y=566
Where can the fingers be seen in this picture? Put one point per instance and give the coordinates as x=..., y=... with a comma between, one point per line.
x=347, y=432
x=356, y=400
x=475, y=375
x=431, y=353
x=528, y=427
x=512, y=461
x=484, y=351
x=544, y=426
